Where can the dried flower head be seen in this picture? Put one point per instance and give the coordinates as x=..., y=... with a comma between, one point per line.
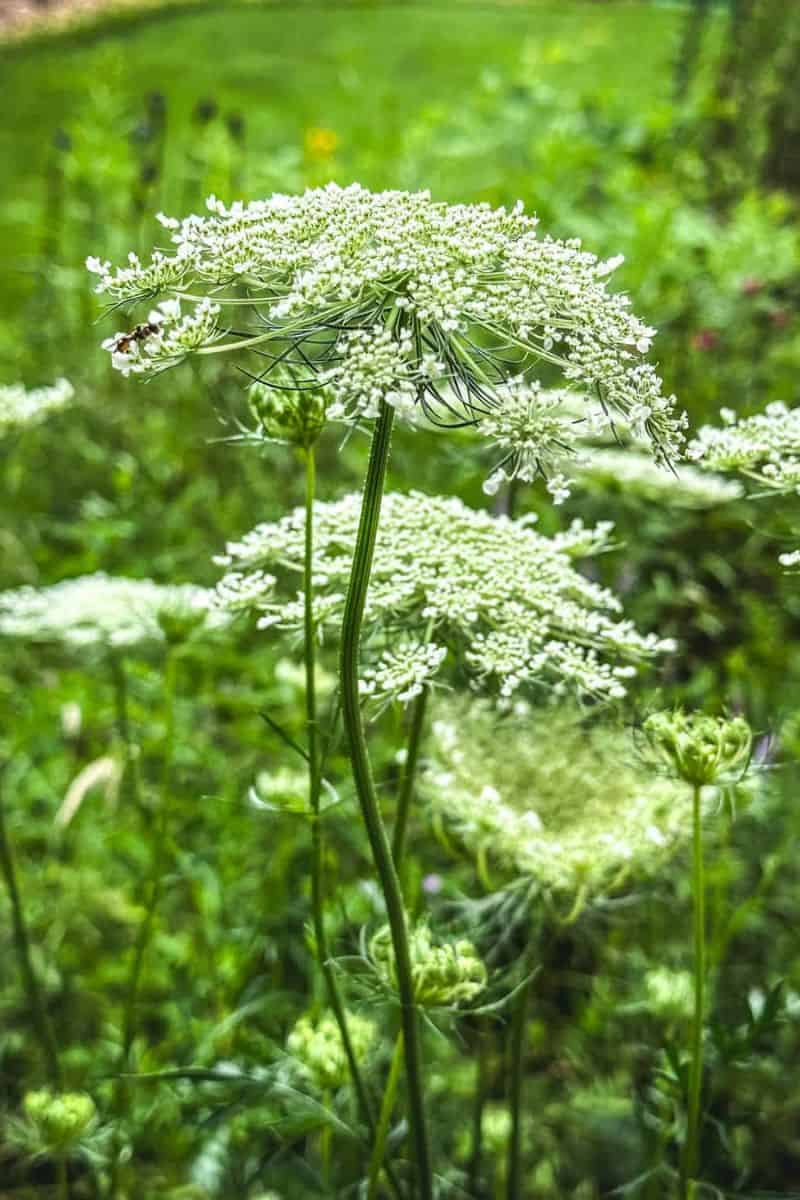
x=394, y=297
x=700, y=749
x=502, y=790
x=506, y=600
x=444, y=974
x=100, y=610
x=318, y=1047
x=20, y=407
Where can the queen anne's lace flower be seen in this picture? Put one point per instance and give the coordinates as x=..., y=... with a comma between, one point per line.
x=765, y=447
x=503, y=789
x=100, y=610
x=507, y=600
x=698, y=748
x=630, y=471
x=393, y=297
x=19, y=407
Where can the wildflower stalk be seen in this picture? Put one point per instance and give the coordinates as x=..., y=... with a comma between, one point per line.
x=119, y=680
x=384, y=1119
x=418, y=709
x=38, y=1012
x=696, y=1064
x=362, y=774
x=315, y=792
x=517, y=1077
x=480, y=1097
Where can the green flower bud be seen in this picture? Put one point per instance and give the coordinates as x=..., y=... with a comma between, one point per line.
x=446, y=974
x=318, y=1047
x=59, y=1121
x=288, y=414
x=669, y=994
x=700, y=749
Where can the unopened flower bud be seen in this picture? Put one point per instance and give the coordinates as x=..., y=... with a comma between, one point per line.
x=700, y=749
x=444, y=974
x=59, y=1121
x=288, y=414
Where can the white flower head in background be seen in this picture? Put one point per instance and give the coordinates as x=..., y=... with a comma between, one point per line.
x=502, y=788
x=21, y=407
x=507, y=601
x=95, y=611
x=765, y=447
x=393, y=297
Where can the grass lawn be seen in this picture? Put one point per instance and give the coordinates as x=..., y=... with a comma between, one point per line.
x=365, y=72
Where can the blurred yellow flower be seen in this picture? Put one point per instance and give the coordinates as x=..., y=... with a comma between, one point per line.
x=321, y=143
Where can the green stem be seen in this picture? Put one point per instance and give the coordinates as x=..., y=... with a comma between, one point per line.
x=516, y=1049
x=63, y=1177
x=696, y=1064
x=409, y=772
x=384, y=1120
x=22, y=947
x=481, y=1092
x=362, y=775
x=119, y=682
x=315, y=796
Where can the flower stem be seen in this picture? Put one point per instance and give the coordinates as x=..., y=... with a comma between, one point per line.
x=362, y=774
x=407, y=787
x=516, y=1048
x=696, y=1063
x=481, y=1093
x=22, y=947
x=315, y=793
x=384, y=1120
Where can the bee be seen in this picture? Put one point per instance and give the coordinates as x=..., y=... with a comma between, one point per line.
x=124, y=342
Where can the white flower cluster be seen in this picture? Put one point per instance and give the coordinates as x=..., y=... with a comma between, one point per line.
x=503, y=789
x=506, y=600
x=402, y=671
x=765, y=447
x=533, y=430
x=400, y=298
x=101, y=610
x=19, y=406
x=166, y=337
x=630, y=471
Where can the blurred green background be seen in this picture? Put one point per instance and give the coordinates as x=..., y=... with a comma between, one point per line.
x=668, y=133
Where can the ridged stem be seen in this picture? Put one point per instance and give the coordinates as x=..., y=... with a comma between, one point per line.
x=315, y=794
x=365, y=789
x=696, y=1064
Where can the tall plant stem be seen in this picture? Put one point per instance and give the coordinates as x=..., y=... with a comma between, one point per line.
x=385, y=1118
x=22, y=948
x=696, y=1064
x=481, y=1093
x=315, y=794
x=516, y=1047
x=409, y=772
x=365, y=788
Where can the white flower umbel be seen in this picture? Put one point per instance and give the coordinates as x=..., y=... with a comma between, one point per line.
x=19, y=407
x=100, y=610
x=504, y=790
x=505, y=599
x=765, y=447
x=395, y=297
x=605, y=469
